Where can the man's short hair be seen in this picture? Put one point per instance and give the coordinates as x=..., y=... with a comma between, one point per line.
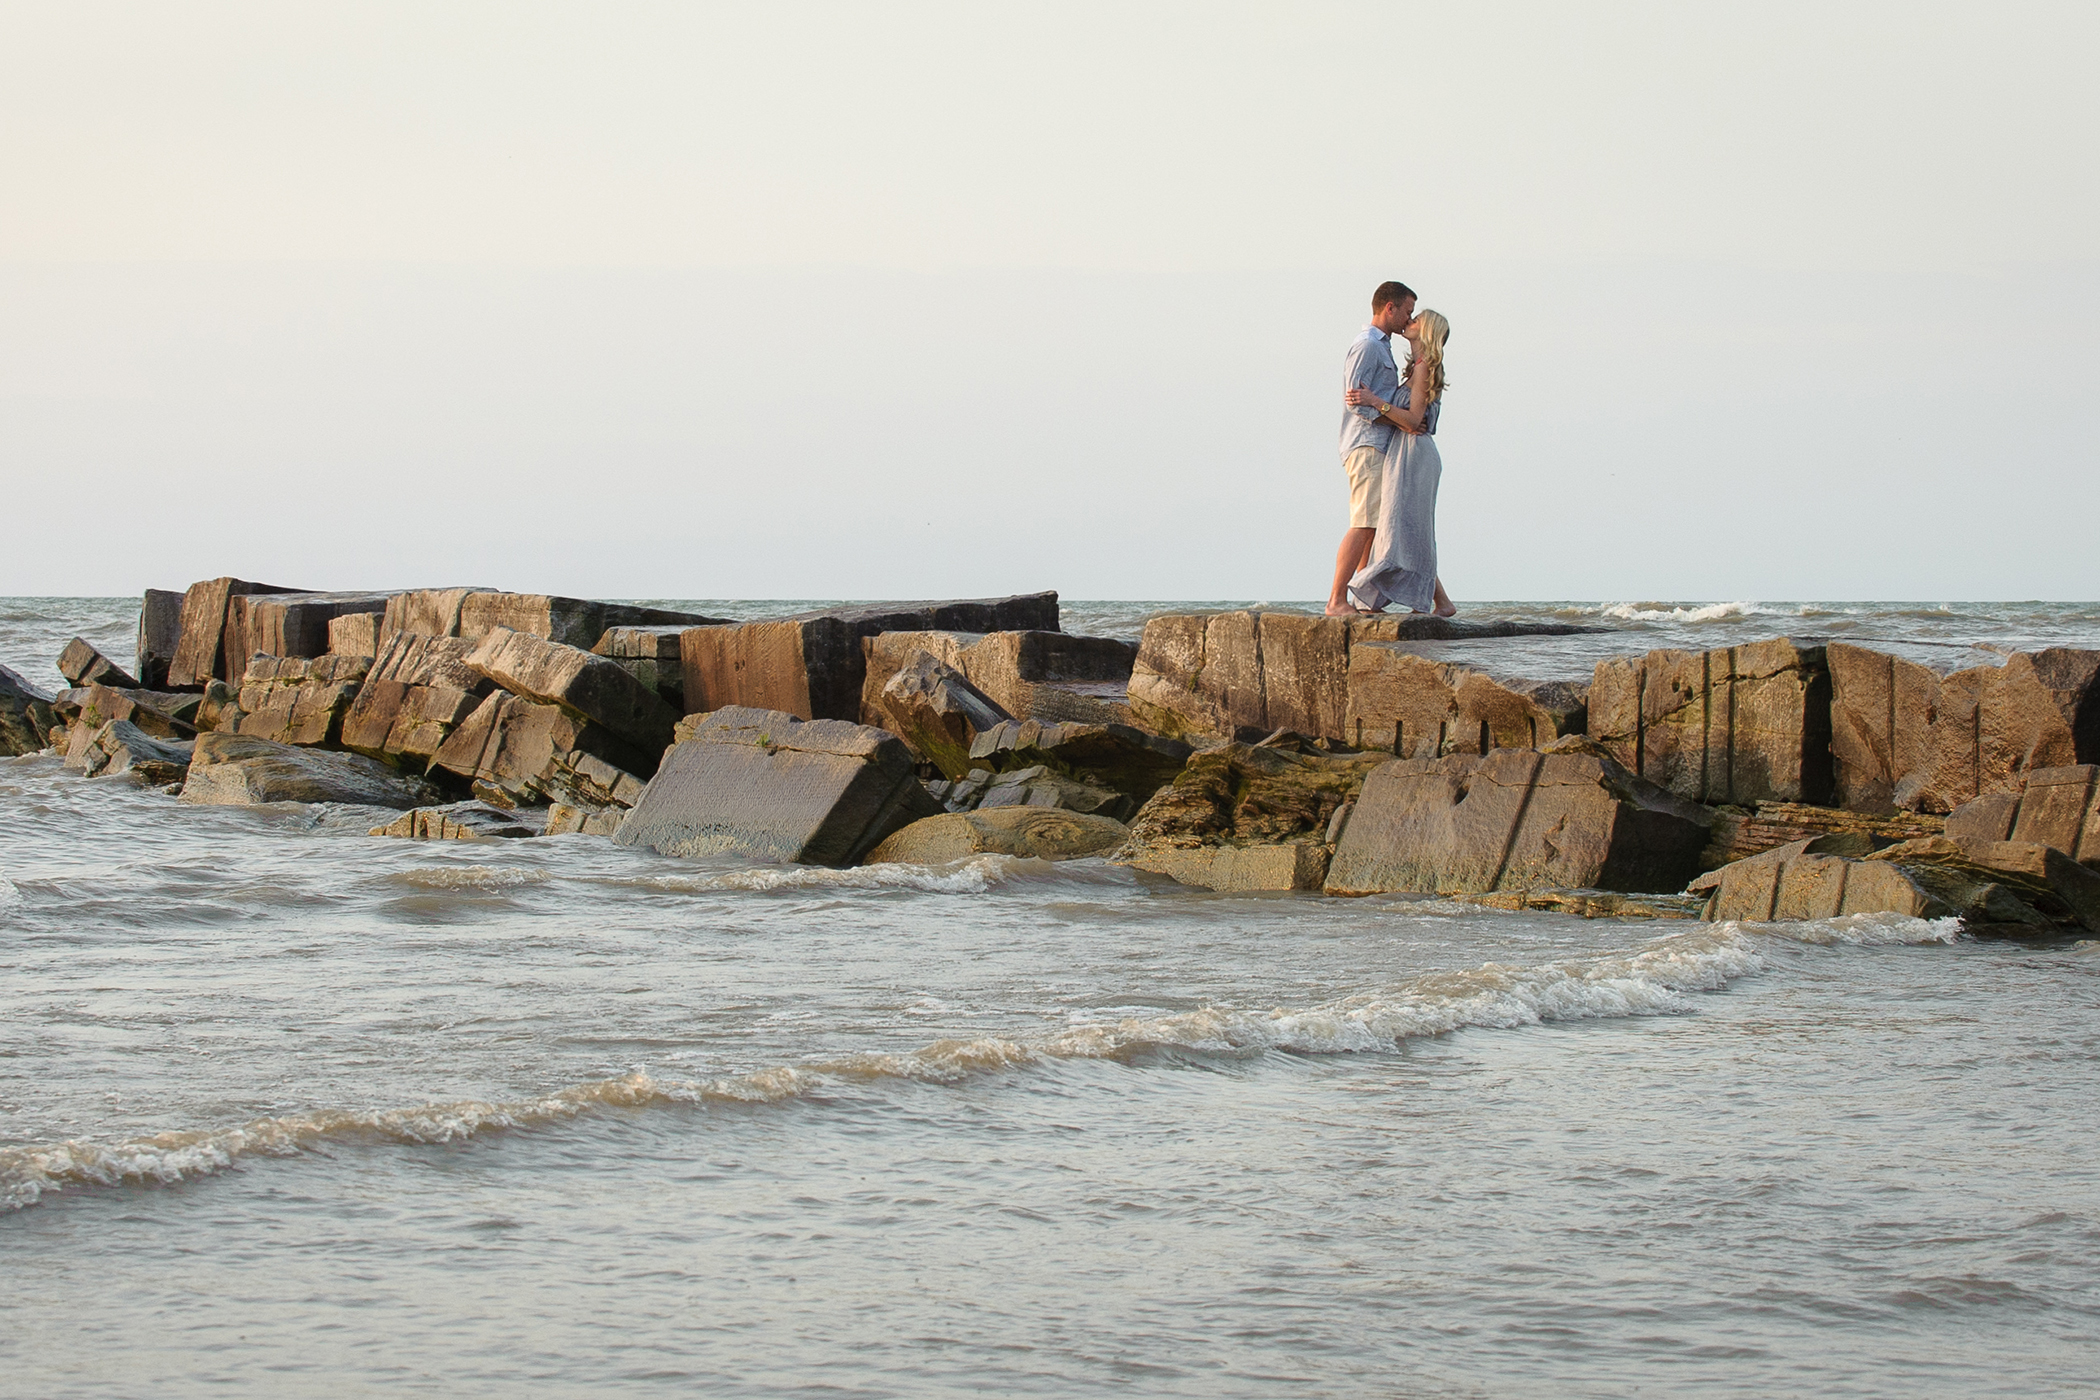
x=1388, y=293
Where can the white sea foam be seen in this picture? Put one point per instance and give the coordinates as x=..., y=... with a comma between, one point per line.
x=974, y=875
x=1666, y=612
x=470, y=877
x=1658, y=978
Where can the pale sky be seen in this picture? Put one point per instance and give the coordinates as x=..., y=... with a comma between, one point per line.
x=1756, y=302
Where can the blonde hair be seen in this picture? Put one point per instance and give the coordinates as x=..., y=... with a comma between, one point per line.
x=1435, y=332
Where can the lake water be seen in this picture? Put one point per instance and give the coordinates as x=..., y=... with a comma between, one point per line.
x=289, y=1110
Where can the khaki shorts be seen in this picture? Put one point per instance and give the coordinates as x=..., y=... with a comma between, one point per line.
x=1366, y=468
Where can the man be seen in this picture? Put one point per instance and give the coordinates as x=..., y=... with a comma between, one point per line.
x=1365, y=435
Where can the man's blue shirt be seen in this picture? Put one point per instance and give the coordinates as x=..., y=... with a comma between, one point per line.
x=1369, y=365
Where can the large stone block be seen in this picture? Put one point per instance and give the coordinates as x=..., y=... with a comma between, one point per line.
x=235, y=769
x=591, y=687
x=2058, y=807
x=1881, y=713
x=26, y=716
x=1993, y=725
x=1412, y=707
x=418, y=691
x=1567, y=817
x=81, y=664
x=935, y=711
x=292, y=624
x=1790, y=883
x=519, y=752
x=1050, y=677
x=1037, y=833
x=160, y=632
x=812, y=665
x=1212, y=676
x=1248, y=817
x=1739, y=725
x=200, y=649
x=763, y=783
x=299, y=700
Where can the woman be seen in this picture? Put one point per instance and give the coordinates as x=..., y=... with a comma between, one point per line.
x=1402, y=566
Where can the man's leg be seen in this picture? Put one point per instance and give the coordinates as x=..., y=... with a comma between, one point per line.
x=1356, y=548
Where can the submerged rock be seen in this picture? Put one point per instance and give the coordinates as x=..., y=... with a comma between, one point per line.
x=1042, y=833
x=464, y=821
x=234, y=769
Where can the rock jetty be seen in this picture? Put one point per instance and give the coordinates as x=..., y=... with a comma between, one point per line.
x=1246, y=750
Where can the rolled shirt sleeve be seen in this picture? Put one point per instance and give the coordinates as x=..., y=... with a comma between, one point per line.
x=1368, y=365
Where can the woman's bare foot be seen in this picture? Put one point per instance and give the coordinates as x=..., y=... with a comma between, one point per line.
x=1342, y=610
x=1444, y=606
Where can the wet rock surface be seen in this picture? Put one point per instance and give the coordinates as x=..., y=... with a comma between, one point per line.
x=762, y=783
x=235, y=769
x=464, y=821
x=1248, y=817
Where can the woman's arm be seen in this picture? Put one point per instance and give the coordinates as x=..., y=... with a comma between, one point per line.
x=1406, y=419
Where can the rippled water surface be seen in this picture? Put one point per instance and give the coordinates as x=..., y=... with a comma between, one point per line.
x=287, y=1109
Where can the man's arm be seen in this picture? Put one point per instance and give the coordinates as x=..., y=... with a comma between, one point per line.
x=1356, y=374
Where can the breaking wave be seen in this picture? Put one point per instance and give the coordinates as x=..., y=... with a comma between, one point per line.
x=1669, y=612
x=1659, y=978
x=974, y=875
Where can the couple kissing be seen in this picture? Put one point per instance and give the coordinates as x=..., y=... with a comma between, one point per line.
x=1388, y=554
